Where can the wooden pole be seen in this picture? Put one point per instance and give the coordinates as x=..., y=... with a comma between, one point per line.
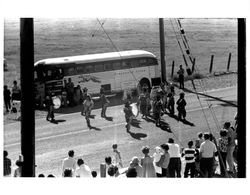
x=241, y=98
x=172, y=74
x=228, y=63
x=211, y=64
x=27, y=100
x=162, y=46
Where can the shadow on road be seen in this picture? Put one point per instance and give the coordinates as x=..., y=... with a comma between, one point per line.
x=212, y=98
x=58, y=121
x=95, y=128
x=136, y=123
x=137, y=136
x=109, y=118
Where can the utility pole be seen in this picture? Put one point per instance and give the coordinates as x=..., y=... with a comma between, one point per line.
x=241, y=98
x=162, y=46
x=27, y=100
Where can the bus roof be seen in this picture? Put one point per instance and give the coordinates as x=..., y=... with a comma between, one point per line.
x=96, y=57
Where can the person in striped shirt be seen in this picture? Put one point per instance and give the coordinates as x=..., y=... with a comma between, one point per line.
x=189, y=154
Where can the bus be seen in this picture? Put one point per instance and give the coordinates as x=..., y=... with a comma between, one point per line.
x=113, y=71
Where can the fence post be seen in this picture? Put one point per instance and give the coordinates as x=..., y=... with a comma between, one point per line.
x=193, y=65
x=228, y=63
x=172, y=69
x=211, y=64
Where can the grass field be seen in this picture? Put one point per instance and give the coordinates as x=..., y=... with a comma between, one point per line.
x=67, y=37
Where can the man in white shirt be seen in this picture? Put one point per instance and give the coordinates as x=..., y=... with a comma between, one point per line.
x=83, y=170
x=69, y=162
x=174, y=166
x=207, y=152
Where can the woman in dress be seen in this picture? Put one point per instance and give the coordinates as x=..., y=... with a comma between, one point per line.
x=148, y=169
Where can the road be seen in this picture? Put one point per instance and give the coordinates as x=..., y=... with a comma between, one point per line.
x=53, y=141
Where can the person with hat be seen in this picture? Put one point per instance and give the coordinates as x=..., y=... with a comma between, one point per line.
x=128, y=115
x=88, y=104
x=181, y=103
x=104, y=103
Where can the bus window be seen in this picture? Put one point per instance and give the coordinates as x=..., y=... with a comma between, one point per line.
x=108, y=66
x=143, y=62
x=89, y=68
x=117, y=65
x=152, y=61
x=125, y=65
x=35, y=75
x=99, y=68
x=69, y=71
x=80, y=69
x=134, y=63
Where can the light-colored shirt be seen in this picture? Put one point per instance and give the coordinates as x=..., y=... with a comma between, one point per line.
x=231, y=134
x=207, y=149
x=69, y=163
x=174, y=150
x=83, y=171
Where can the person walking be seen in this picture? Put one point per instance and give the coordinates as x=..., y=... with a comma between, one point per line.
x=181, y=77
x=88, y=104
x=157, y=110
x=142, y=103
x=181, y=104
x=207, y=152
x=104, y=103
x=50, y=107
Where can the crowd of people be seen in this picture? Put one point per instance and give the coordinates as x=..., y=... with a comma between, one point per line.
x=167, y=160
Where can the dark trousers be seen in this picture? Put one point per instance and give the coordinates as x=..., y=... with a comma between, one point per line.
x=181, y=81
x=223, y=160
x=182, y=113
x=206, y=167
x=50, y=114
x=104, y=108
x=189, y=167
x=174, y=167
x=164, y=172
x=7, y=104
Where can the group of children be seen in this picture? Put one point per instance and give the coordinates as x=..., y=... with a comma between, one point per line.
x=162, y=100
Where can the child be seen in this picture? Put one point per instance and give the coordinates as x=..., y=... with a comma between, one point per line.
x=104, y=102
x=158, y=108
x=117, y=159
x=189, y=154
x=199, y=140
x=181, y=103
x=128, y=115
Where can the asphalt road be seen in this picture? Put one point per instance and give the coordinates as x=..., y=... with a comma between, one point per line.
x=53, y=141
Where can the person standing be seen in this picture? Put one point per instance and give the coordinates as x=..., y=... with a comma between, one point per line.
x=189, y=154
x=69, y=162
x=181, y=104
x=88, y=104
x=157, y=110
x=50, y=107
x=170, y=104
x=128, y=115
x=231, y=134
x=135, y=163
x=142, y=103
x=223, y=148
x=16, y=92
x=157, y=157
x=181, y=77
x=104, y=103
x=7, y=98
x=70, y=92
x=117, y=159
x=174, y=166
x=83, y=170
x=164, y=161
x=148, y=169
x=6, y=164
x=207, y=152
